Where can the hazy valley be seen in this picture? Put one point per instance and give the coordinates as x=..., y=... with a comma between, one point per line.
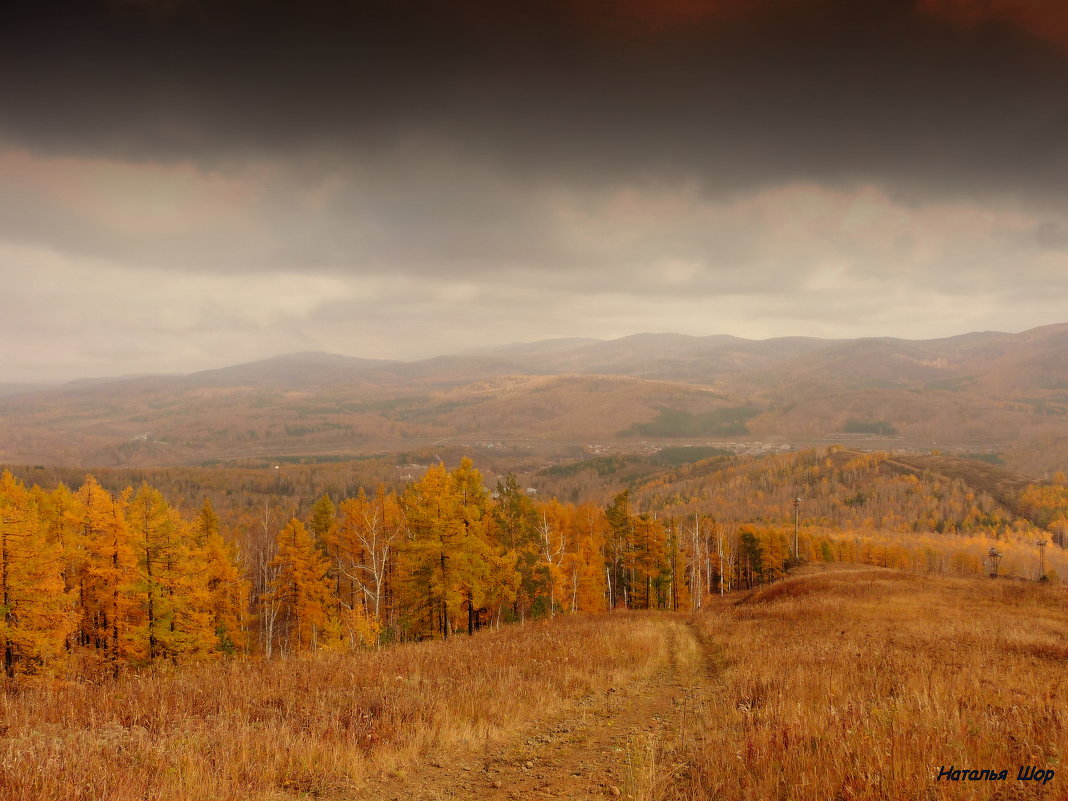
x=1001, y=397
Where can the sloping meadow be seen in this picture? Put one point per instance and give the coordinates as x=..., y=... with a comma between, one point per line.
x=870, y=684
x=308, y=726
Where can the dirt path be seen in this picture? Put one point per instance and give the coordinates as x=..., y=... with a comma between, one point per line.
x=616, y=745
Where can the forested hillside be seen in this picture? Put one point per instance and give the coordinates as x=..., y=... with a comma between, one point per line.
x=838, y=488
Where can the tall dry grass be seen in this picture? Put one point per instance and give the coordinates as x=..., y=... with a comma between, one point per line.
x=306, y=727
x=861, y=684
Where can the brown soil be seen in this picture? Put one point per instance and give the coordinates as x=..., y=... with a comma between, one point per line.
x=619, y=744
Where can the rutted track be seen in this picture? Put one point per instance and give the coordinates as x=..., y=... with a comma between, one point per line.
x=608, y=746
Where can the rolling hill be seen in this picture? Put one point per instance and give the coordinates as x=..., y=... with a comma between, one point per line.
x=1002, y=396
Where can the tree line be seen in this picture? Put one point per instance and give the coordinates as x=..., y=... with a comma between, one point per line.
x=93, y=581
x=97, y=581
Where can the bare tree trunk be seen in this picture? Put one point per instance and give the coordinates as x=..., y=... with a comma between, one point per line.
x=695, y=566
x=721, y=565
x=444, y=601
x=267, y=574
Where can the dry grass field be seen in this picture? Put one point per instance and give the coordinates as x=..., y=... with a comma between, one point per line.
x=312, y=727
x=861, y=684
x=837, y=684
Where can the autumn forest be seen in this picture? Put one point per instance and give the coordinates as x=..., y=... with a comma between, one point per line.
x=97, y=582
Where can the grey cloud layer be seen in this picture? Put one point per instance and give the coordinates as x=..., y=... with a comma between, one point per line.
x=828, y=91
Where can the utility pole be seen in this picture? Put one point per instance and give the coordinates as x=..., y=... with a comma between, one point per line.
x=1042, y=559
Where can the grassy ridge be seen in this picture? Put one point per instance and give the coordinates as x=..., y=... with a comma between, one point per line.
x=862, y=684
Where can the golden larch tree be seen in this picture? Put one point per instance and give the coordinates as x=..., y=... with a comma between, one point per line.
x=112, y=615
x=37, y=615
x=301, y=586
x=228, y=590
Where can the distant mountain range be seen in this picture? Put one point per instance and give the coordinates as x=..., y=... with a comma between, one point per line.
x=1002, y=396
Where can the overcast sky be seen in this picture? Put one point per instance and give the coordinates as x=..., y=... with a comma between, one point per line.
x=186, y=185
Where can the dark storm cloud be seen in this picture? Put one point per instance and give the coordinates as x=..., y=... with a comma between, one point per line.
x=829, y=91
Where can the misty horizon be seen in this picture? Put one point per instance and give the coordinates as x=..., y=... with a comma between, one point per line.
x=488, y=350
